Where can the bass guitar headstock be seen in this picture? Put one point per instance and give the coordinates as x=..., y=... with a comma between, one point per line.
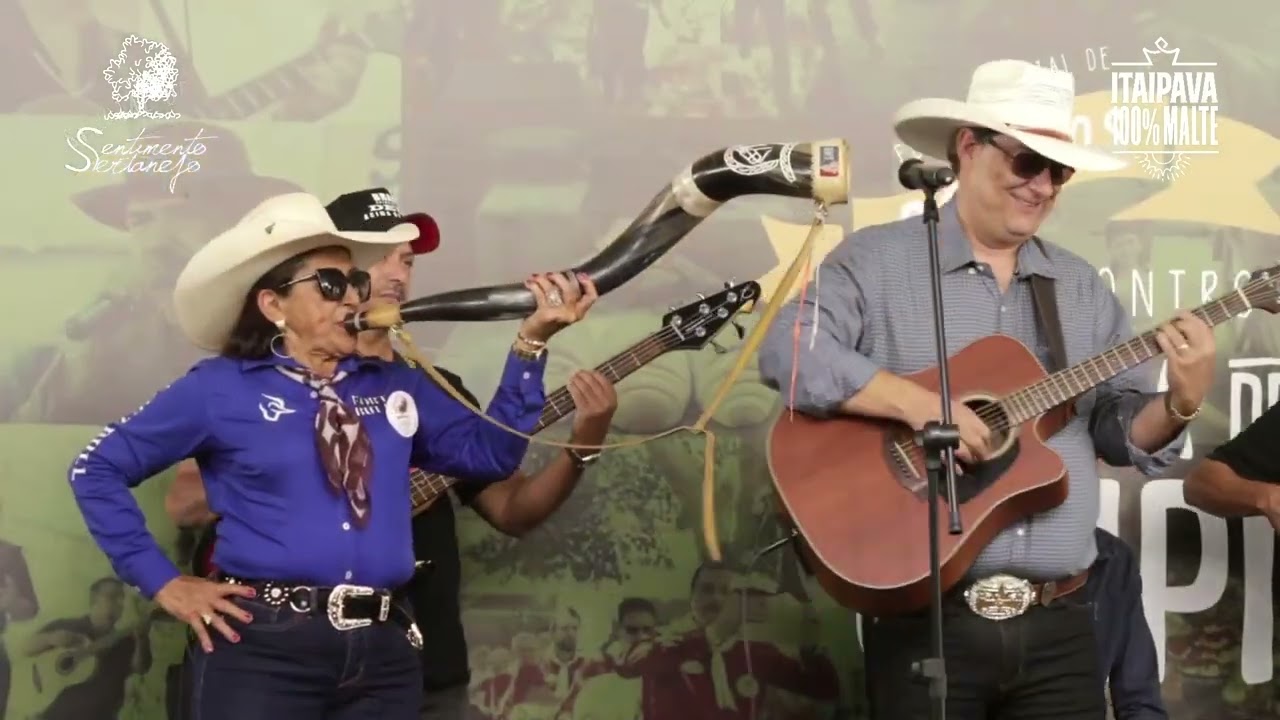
x=694, y=326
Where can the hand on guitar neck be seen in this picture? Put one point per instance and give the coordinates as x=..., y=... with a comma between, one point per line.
x=896, y=398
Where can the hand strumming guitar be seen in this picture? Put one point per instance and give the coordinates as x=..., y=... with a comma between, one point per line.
x=975, y=435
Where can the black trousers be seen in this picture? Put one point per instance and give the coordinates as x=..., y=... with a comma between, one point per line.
x=1042, y=665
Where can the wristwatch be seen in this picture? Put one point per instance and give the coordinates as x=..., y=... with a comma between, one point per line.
x=580, y=459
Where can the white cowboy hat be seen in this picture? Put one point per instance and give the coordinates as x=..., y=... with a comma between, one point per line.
x=1029, y=103
x=211, y=290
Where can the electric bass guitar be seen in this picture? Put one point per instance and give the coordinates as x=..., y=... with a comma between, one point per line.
x=856, y=490
x=691, y=327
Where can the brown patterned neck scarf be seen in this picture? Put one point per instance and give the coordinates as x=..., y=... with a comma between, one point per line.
x=342, y=442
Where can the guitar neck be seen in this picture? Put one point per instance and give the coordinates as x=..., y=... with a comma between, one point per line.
x=262, y=92
x=1061, y=386
x=425, y=487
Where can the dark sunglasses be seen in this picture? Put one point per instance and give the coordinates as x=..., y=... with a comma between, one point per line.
x=333, y=283
x=1028, y=164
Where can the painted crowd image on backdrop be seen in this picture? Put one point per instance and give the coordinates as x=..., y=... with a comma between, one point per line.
x=534, y=131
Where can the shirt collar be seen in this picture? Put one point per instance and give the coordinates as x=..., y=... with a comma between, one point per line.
x=956, y=253
x=346, y=364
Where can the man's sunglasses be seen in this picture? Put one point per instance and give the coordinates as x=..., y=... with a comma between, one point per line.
x=1028, y=164
x=333, y=283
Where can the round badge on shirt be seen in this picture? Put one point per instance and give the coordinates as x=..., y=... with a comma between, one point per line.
x=402, y=413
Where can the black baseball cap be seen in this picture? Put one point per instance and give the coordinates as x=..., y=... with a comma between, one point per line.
x=376, y=210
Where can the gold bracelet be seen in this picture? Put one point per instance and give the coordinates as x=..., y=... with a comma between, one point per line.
x=535, y=344
x=1176, y=414
x=524, y=354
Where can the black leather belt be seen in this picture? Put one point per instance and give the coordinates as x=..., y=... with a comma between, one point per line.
x=347, y=607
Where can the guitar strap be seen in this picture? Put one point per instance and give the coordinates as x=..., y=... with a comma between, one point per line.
x=1046, y=302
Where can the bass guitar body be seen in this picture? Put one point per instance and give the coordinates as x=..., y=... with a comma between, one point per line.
x=856, y=488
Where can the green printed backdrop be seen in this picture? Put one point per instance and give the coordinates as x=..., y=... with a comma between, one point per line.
x=534, y=130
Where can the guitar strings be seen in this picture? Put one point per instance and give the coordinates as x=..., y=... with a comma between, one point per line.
x=996, y=415
x=654, y=341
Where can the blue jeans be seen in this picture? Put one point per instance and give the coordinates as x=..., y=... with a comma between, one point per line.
x=293, y=665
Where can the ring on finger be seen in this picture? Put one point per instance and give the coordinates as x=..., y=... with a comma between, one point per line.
x=554, y=299
x=1183, y=346
x=207, y=618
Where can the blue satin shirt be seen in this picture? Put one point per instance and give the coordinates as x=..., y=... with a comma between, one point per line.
x=251, y=430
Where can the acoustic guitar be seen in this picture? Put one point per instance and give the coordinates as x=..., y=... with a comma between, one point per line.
x=856, y=491
x=691, y=327
x=56, y=670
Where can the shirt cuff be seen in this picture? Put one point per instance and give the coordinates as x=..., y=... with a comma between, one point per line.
x=526, y=376
x=1161, y=458
x=151, y=572
x=827, y=390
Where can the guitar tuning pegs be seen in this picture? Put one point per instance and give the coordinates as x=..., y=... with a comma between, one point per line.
x=730, y=283
x=718, y=348
x=742, y=332
x=671, y=309
x=701, y=296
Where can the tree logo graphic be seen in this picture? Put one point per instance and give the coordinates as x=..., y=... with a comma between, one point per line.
x=142, y=75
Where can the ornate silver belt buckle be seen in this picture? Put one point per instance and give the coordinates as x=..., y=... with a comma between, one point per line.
x=337, y=606
x=414, y=635
x=999, y=597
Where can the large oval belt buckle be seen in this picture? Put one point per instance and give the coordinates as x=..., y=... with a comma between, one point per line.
x=999, y=597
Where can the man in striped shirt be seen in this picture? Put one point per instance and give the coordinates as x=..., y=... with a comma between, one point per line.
x=870, y=322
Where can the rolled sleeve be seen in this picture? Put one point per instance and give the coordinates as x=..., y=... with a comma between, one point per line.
x=170, y=428
x=455, y=441
x=1121, y=398
x=824, y=363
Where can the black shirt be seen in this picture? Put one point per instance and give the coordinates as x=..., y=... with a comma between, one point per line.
x=434, y=589
x=1254, y=453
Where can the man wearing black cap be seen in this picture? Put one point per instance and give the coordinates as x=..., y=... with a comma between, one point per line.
x=514, y=506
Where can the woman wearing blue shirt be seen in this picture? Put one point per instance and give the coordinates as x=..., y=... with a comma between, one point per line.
x=305, y=450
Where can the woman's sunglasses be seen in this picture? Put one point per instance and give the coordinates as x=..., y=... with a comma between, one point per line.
x=333, y=283
x=1028, y=164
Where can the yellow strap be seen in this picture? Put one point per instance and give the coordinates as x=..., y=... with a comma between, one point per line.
x=749, y=347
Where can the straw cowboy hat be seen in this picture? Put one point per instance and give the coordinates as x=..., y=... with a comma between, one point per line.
x=211, y=290
x=1029, y=103
x=225, y=182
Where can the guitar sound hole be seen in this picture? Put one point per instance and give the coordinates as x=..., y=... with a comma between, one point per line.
x=974, y=478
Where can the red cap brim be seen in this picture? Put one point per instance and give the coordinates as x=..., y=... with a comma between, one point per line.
x=428, y=233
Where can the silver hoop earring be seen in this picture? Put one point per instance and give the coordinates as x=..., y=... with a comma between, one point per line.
x=272, y=345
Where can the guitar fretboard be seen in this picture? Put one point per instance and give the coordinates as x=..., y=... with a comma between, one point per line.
x=426, y=487
x=1061, y=386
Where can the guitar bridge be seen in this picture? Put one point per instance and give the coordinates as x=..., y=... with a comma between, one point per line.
x=902, y=450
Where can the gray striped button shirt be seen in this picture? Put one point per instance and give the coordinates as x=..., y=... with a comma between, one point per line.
x=875, y=312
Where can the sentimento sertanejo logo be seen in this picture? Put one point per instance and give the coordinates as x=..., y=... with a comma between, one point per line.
x=143, y=79
x=142, y=75
x=1164, y=109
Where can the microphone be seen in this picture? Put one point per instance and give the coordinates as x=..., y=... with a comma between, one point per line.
x=915, y=175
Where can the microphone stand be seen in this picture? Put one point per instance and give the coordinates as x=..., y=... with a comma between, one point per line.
x=939, y=441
